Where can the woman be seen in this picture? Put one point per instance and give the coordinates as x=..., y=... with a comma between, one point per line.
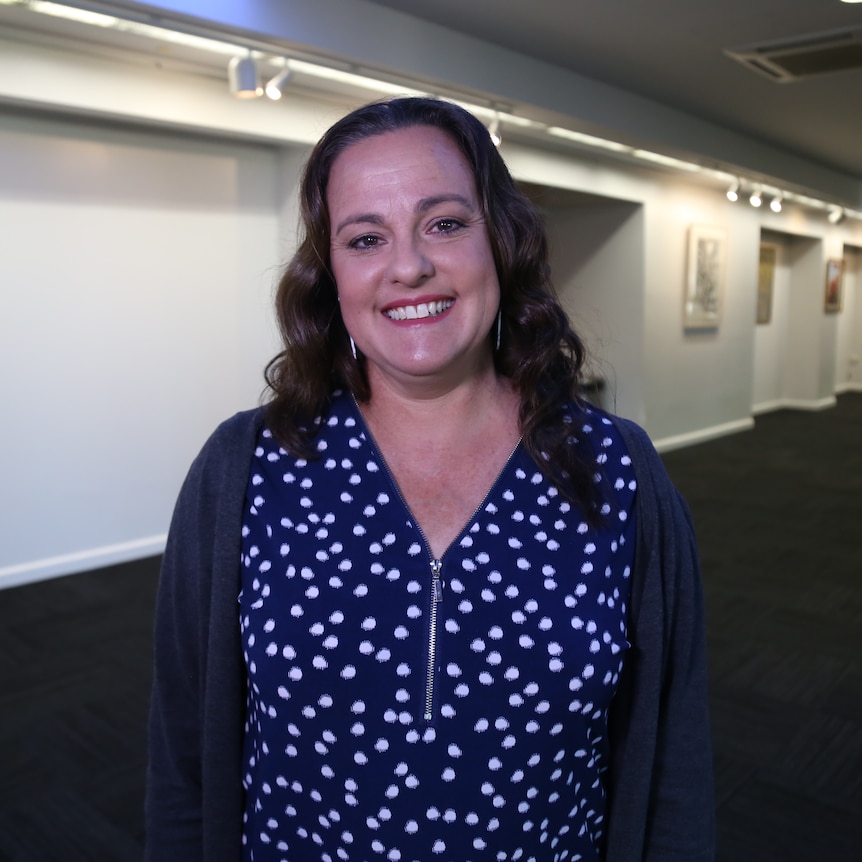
x=426, y=603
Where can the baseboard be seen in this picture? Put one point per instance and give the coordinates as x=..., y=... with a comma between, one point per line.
x=794, y=404
x=767, y=406
x=801, y=404
x=849, y=386
x=679, y=441
x=80, y=561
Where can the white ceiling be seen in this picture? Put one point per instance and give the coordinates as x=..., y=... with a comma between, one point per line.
x=673, y=51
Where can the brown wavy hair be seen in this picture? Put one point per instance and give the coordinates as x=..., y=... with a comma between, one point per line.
x=539, y=351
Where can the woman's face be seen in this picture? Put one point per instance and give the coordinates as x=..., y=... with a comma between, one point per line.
x=412, y=261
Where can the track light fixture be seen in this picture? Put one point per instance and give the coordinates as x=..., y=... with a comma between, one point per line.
x=275, y=86
x=494, y=131
x=244, y=83
x=758, y=194
x=242, y=77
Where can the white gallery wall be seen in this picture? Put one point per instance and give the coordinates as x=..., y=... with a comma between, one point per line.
x=627, y=292
x=848, y=361
x=139, y=261
x=771, y=337
x=710, y=369
x=597, y=260
x=803, y=355
x=136, y=278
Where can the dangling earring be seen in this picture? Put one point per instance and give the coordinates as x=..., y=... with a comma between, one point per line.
x=352, y=346
x=499, y=328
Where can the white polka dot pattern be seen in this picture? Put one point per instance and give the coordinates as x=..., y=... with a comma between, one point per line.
x=357, y=746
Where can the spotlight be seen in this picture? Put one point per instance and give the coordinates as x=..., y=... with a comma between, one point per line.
x=733, y=193
x=242, y=78
x=275, y=87
x=775, y=204
x=494, y=131
x=755, y=200
x=836, y=215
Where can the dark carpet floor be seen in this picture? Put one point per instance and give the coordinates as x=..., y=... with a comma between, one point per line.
x=779, y=517
x=779, y=514
x=75, y=656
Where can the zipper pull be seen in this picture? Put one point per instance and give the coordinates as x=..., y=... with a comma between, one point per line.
x=436, y=580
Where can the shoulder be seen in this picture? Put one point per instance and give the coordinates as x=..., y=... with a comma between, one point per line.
x=636, y=439
x=663, y=514
x=597, y=430
x=239, y=427
x=224, y=460
x=207, y=510
x=592, y=425
x=233, y=438
x=659, y=502
x=646, y=461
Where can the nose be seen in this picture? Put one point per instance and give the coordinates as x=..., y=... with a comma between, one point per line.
x=409, y=263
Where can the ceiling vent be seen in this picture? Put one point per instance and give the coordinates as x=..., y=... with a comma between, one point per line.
x=795, y=59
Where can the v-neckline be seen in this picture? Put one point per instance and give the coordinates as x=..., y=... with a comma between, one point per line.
x=463, y=529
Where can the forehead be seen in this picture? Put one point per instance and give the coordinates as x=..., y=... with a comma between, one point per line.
x=412, y=157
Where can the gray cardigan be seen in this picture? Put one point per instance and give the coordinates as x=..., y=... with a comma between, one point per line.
x=660, y=790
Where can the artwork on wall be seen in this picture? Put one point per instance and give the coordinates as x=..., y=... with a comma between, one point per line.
x=765, y=278
x=705, y=277
x=834, y=284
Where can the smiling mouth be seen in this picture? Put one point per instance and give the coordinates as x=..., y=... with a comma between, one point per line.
x=419, y=311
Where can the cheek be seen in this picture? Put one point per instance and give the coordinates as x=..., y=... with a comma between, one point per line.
x=354, y=282
x=337, y=265
x=346, y=275
x=486, y=273
x=482, y=263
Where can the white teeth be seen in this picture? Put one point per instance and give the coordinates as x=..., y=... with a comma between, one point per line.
x=416, y=312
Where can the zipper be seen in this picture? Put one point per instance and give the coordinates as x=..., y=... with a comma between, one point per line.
x=436, y=564
x=431, y=670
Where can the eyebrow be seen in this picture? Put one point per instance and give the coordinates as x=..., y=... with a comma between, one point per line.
x=423, y=206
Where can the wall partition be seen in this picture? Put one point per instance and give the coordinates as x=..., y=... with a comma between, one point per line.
x=597, y=265
x=771, y=345
x=848, y=364
x=136, y=277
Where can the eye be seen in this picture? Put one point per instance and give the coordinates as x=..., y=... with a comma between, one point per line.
x=364, y=242
x=447, y=225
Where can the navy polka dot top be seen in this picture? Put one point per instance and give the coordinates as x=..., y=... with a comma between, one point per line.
x=405, y=708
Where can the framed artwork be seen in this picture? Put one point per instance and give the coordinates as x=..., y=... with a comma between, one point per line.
x=705, y=276
x=834, y=284
x=765, y=278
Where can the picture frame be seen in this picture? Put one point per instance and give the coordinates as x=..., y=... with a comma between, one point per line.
x=834, y=289
x=765, y=281
x=704, y=290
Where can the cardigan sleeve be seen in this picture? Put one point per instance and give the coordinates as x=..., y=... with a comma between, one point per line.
x=194, y=790
x=661, y=800
x=173, y=797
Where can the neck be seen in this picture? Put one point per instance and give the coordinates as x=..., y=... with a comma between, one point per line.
x=437, y=416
